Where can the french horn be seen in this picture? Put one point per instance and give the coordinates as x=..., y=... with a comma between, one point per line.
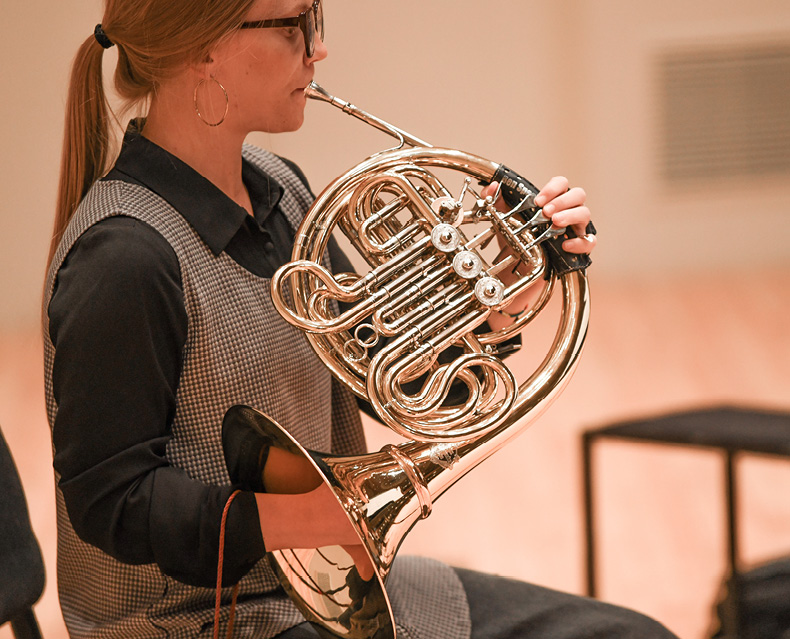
x=410, y=337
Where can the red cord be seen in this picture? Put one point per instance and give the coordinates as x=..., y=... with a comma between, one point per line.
x=235, y=593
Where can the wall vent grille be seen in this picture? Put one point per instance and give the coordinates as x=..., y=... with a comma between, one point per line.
x=725, y=111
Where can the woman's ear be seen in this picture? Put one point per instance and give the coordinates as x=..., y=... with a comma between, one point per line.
x=198, y=65
x=201, y=69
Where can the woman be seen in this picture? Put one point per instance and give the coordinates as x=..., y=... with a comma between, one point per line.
x=158, y=319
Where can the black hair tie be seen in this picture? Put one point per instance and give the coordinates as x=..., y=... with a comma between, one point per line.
x=101, y=37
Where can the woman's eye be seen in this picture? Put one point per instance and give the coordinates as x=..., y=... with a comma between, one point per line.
x=290, y=32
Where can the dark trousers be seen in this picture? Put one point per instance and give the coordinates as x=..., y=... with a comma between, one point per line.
x=503, y=608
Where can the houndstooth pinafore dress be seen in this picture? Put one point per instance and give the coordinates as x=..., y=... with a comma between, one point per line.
x=238, y=351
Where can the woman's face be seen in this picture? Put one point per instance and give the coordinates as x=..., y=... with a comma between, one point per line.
x=265, y=71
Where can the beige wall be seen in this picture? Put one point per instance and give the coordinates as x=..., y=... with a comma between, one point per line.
x=547, y=87
x=693, y=228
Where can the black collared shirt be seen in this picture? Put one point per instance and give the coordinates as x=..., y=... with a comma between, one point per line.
x=261, y=244
x=119, y=325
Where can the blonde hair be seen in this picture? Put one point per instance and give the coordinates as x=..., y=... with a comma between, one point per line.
x=154, y=38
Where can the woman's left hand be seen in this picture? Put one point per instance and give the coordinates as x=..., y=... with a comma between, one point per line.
x=565, y=206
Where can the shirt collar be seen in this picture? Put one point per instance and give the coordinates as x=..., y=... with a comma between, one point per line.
x=214, y=216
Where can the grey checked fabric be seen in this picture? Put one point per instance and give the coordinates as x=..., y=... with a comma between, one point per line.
x=412, y=582
x=238, y=351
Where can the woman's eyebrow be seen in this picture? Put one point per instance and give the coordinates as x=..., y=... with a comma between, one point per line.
x=303, y=6
x=286, y=9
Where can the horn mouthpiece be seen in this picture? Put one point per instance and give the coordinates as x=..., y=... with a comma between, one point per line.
x=316, y=92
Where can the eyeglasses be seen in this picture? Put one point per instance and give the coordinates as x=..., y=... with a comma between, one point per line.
x=309, y=22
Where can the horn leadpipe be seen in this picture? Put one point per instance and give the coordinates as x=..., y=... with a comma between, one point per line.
x=315, y=91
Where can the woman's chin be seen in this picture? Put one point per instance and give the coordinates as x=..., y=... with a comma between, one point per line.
x=288, y=124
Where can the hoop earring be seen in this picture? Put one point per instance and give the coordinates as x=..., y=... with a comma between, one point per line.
x=197, y=109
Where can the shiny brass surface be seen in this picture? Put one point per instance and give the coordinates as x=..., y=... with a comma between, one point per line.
x=405, y=336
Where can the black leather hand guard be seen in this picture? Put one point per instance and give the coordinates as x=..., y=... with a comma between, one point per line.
x=514, y=189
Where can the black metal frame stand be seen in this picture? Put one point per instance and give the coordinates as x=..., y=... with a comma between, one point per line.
x=737, y=431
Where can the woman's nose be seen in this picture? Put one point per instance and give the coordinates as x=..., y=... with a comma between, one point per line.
x=320, y=51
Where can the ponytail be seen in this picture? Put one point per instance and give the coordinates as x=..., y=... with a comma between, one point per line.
x=154, y=38
x=86, y=139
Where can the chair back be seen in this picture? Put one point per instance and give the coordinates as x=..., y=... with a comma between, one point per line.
x=21, y=564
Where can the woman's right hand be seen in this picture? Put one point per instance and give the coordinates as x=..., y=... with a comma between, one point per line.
x=312, y=519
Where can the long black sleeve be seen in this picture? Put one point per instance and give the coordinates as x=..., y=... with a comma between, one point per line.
x=118, y=324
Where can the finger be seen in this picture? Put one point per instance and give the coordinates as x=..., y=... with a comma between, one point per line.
x=582, y=244
x=554, y=187
x=577, y=218
x=361, y=560
x=572, y=198
x=491, y=190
